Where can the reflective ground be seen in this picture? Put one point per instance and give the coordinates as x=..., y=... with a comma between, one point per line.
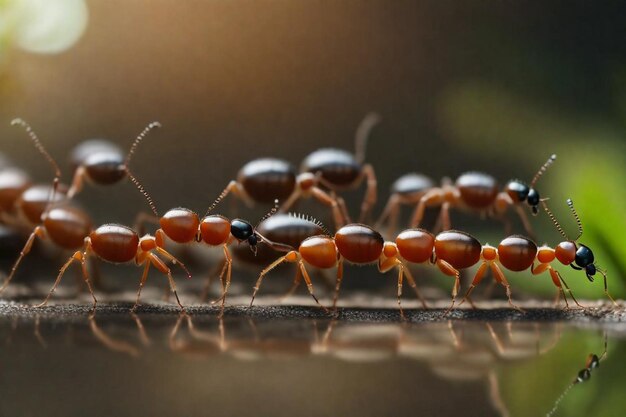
x=64, y=362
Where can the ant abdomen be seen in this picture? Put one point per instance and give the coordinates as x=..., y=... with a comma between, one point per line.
x=13, y=182
x=415, y=245
x=67, y=226
x=359, y=243
x=114, y=243
x=459, y=249
x=180, y=225
x=34, y=201
x=517, y=253
x=267, y=179
x=102, y=161
x=338, y=167
x=411, y=187
x=477, y=190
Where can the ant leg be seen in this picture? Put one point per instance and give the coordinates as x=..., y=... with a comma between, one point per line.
x=296, y=283
x=309, y=284
x=556, y=276
x=144, y=276
x=326, y=199
x=204, y=295
x=499, y=275
x=158, y=263
x=444, y=214
x=391, y=212
x=290, y=257
x=400, y=278
x=480, y=274
x=78, y=256
x=140, y=222
x=606, y=288
x=226, y=286
x=37, y=232
x=524, y=218
x=238, y=191
x=338, y=282
x=449, y=270
x=77, y=182
x=541, y=268
x=411, y=280
x=173, y=259
x=291, y=200
x=432, y=197
x=369, y=200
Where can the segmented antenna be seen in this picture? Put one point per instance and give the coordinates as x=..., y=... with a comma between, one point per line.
x=39, y=146
x=311, y=219
x=363, y=133
x=554, y=220
x=217, y=201
x=269, y=213
x=543, y=169
x=133, y=179
x=570, y=204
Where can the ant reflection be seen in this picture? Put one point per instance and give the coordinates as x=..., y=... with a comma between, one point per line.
x=592, y=363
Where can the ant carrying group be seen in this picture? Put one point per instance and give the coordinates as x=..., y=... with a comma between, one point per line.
x=49, y=212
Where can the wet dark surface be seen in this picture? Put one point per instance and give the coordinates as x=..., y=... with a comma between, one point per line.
x=295, y=360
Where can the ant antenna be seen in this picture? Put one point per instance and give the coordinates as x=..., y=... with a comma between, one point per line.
x=268, y=214
x=311, y=219
x=554, y=220
x=218, y=200
x=134, y=180
x=570, y=203
x=543, y=169
x=55, y=167
x=363, y=133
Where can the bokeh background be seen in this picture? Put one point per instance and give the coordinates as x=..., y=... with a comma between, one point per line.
x=461, y=85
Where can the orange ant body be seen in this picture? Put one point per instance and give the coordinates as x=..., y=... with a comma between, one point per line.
x=184, y=226
x=473, y=190
x=70, y=228
x=355, y=243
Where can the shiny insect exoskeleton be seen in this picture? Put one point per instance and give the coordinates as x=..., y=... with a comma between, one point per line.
x=70, y=228
x=264, y=180
x=354, y=243
x=475, y=191
x=183, y=226
x=97, y=161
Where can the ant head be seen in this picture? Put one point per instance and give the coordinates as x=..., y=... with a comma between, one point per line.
x=243, y=231
x=583, y=376
x=584, y=259
x=519, y=191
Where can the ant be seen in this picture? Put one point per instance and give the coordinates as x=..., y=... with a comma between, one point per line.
x=183, y=226
x=266, y=179
x=356, y=243
x=518, y=253
x=70, y=228
x=97, y=161
x=474, y=190
x=592, y=363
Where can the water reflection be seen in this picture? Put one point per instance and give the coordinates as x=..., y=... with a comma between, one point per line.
x=437, y=368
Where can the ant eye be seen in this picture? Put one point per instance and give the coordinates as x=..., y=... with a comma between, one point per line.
x=533, y=198
x=584, y=257
x=241, y=229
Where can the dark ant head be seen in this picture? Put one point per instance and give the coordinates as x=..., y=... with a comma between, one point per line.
x=583, y=376
x=519, y=191
x=584, y=259
x=243, y=231
x=593, y=361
